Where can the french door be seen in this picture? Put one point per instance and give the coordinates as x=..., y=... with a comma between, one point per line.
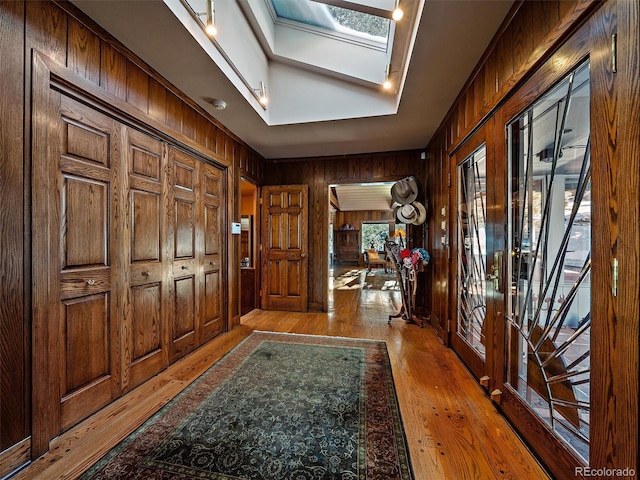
x=522, y=323
x=546, y=389
x=478, y=254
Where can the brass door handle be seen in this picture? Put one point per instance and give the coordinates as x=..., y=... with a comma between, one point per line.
x=303, y=255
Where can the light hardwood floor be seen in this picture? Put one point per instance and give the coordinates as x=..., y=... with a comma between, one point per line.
x=453, y=430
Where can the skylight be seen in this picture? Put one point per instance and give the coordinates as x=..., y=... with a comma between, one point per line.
x=335, y=19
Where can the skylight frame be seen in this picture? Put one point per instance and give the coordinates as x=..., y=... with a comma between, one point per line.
x=334, y=34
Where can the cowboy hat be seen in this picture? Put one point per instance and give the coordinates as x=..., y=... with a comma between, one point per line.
x=405, y=191
x=414, y=213
x=422, y=213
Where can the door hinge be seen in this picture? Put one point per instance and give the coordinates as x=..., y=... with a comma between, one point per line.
x=449, y=179
x=448, y=325
x=614, y=52
x=614, y=279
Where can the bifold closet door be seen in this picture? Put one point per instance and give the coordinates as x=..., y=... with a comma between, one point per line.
x=195, y=238
x=145, y=351
x=84, y=227
x=212, y=266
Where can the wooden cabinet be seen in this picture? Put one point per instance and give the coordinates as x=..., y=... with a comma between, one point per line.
x=346, y=246
x=248, y=288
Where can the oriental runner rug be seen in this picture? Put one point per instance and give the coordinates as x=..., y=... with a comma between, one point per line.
x=276, y=407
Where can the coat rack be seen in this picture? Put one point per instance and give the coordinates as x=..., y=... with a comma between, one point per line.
x=407, y=278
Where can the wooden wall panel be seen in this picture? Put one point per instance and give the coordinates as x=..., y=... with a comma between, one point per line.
x=157, y=101
x=83, y=51
x=113, y=71
x=14, y=334
x=530, y=37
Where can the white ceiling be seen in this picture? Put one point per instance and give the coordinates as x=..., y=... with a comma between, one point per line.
x=451, y=38
x=371, y=196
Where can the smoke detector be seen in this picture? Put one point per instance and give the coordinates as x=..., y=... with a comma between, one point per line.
x=216, y=103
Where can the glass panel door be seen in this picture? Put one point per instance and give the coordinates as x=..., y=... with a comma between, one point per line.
x=472, y=250
x=549, y=237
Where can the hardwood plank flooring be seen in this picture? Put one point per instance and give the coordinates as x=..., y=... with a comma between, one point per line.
x=453, y=430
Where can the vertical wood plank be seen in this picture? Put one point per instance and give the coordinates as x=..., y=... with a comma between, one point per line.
x=174, y=112
x=188, y=121
x=353, y=168
x=478, y=94
x=46, y=30
x=221, y=143
x=211, y=136
x=462, y=113
x=83, y=56
x=157, y=101
x=522, y=36
x=366, y=169
x=137, y=87
x=378, y=167
x=201, y=129
x=14, y=338
x=113, y=71
x=505, y=58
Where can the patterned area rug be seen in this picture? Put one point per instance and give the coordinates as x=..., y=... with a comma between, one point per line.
x=277, y=407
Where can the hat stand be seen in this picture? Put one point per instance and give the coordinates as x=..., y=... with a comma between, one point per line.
x=408, y=282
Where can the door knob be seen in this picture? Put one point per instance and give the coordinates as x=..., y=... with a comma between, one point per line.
x=303, y=255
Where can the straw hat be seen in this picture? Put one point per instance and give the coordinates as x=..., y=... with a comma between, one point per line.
x=415, y=213
x=405, y=191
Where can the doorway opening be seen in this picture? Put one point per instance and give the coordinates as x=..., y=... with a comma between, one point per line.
x=361, y=218
x=248, y=246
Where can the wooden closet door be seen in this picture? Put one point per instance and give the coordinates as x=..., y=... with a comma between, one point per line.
x=212, y=300
x=147, y=290
x=185, y=310
x=88, y=315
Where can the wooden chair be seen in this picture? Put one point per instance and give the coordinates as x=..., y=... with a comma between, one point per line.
x=374, y=260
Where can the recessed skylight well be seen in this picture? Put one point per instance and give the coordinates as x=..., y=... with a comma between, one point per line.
x=339, y=50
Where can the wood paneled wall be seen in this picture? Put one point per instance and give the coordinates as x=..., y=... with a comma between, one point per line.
x=531, y=34
x=64, y=34
x=318, y=174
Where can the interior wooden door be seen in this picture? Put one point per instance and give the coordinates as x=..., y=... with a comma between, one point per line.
x=195, y=236
x=86, y=233
x=284, y=247
x=183, y=327
x=146, y=353
x=212, y=256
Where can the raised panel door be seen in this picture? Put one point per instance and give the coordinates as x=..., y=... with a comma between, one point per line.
x=183, y=328
x=212, y=265
x=85, y=233
x=284, y=240
x=143, y=331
